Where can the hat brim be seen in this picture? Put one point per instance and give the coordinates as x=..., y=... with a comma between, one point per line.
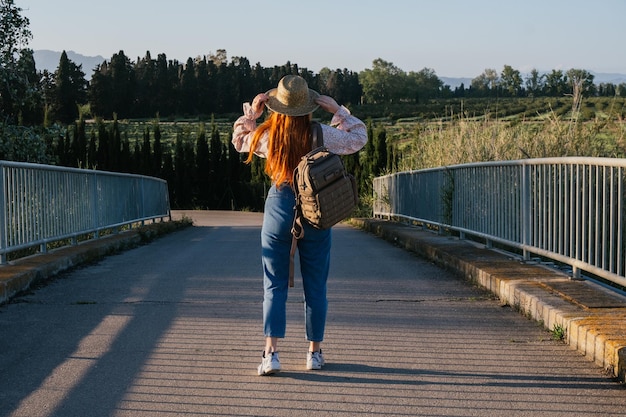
x=276, y=106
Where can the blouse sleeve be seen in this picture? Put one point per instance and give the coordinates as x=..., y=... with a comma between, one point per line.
x=346, y=134
x=243, y=130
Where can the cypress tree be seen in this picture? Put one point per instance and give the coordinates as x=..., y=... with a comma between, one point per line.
x=92, y=151
x=145, y=73
x=126, y=160
x=146, y=155
x=102, y=157
x=122, y=84
x=100, y=93
x=61, y=151
x=188, y=89
x=168, y=173
x=216, y=176
x=202, y=170
x=136, y=158
x=64, y=107
x=157, y=152
x=233, y=177
x=115, y=147
x=69, y=90
x=380, y=151
x=78, y=146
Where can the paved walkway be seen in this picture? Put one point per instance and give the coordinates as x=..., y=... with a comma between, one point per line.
x=173, y=329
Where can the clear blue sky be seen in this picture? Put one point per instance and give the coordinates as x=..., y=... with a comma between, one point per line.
x=455, y=38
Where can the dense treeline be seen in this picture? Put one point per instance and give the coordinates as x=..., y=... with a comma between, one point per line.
x=212, y=84
x=201, y=86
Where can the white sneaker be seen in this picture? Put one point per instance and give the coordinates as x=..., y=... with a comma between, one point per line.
x=314, y=360
x=270, y=364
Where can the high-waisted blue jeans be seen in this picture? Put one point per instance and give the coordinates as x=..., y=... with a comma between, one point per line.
x=314, y=255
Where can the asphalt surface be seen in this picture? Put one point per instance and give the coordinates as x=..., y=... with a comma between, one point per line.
x=173, y=328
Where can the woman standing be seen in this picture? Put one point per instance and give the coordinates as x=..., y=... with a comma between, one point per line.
x=283, y=139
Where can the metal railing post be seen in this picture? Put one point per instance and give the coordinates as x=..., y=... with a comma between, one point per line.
x=526, y=190
x=3, y=216
x=94, y=200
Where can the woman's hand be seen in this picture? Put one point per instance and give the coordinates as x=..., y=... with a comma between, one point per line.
x=327, y=103
x=258, y=104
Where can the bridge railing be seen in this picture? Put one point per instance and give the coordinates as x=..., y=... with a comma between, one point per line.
x=569, y=210
x=40, y=204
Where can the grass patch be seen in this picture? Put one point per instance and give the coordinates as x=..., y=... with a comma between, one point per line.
x=558, y=332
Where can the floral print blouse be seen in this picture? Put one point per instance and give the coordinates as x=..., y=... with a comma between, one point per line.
x=345, y=135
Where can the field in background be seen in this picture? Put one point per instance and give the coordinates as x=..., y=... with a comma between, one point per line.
x=508, y=129
x=448, y=132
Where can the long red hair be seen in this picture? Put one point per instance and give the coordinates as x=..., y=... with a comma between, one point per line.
x=289, y=140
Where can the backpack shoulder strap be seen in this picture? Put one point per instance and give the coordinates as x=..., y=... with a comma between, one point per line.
x=317, y=137
x=297, y=231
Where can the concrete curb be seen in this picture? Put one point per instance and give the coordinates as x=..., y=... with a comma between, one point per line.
x=593, y=318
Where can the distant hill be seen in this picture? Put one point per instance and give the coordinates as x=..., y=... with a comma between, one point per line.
x=609, y=78
x=598, y=78
x=456, y=82
x=49, y=60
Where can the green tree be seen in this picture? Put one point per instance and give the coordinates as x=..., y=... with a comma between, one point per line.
x=556, y=84
x=607, y=90
x=425, y=84
x=126, y=157
x=380, y=150
x=165, y=91
x=383, y=83
x=122, y=84
x=145, y=73
x=147, y=162
x=18, y=89
x=368, y=167
x=216, y=172
x=326, y=81
x=92, y=151
x=350, y=90
x=511, y=81
x=535, y=83
x=202, y=170
x=79, y=144
x=242, y=77
x=234, y=176
x=112, y=88
x=30, y=111
x=188, y=89
x=486, y=82
x=68, y=91
x=203, y=86
x=581, y=82
x=102, y=154
x=157, y=152
x=100, y=94
x=183, y=171
x=339, y=85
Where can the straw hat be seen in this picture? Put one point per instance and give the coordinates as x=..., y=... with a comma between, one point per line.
x=293, y=97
